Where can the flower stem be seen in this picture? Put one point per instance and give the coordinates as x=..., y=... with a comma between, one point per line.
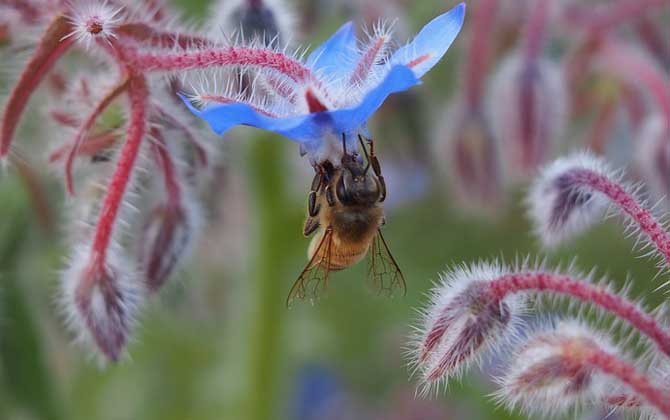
x=124, y=168
x=575, y=288
x=86, y=126
x=640, y=384
x=50, y=48
x=229, y=56
x=629, y=205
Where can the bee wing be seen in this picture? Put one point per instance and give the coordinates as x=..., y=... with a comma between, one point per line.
x=383, y=271
x=314, y=277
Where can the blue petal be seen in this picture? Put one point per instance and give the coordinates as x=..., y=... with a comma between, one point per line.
x=428, y=47
x=399, y=79
x=306, y=128
x=223, y=117
x=336, y=56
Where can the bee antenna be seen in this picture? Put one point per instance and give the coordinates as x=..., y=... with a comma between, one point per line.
x=344, y=144
x=365, y=151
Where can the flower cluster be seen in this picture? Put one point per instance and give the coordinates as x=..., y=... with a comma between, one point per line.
x=138, y=164
x=556, y=365
x=611, y=72
x=116, y=147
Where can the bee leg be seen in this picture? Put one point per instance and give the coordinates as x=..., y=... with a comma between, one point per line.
x=312, y=206
x=377, y=169
x=311, y=225
x=330, y=197
x=374, y=163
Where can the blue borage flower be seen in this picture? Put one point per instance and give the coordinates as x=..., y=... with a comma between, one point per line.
x=347, y=82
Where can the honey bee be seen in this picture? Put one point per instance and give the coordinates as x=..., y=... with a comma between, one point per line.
x=345, y=210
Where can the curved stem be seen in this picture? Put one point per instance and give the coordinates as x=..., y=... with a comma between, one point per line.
x=228, y=56
x=629, y=205
x=575, y=288
x=124, y=168
x=86, y=126
x=51, y=47
x=640, y=384
x=149, y=36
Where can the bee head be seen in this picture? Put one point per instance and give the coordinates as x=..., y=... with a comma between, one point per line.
x=357, y=186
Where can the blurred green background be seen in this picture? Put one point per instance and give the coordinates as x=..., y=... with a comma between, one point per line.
x=219, y=342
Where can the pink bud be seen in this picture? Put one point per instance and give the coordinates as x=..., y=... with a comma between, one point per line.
x=168, y=239
x=463, y=321
x=529, y=107
x=101, y=300
x=559, y=204
x=570, y=366
x=550, y=372
x=572, y=193
x=466, y=151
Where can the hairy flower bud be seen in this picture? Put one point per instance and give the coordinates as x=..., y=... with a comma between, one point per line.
x=462, y=322
x=169, y=235
x=101, y=300
x=529, y=108
x=572, y=193
x=570, y=366
x=550, y=371
x=560, y=204
x=464, y=139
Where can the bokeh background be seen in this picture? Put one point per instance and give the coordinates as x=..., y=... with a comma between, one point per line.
x=219, y=342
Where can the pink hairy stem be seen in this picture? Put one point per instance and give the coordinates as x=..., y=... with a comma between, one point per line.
x=137, y=126
x=498, y=289
x=51, y=47
x=624, y=372
x=91, y=146
x=149, y=36
x=224, y=56
x=548, y=282
x=629, y=205
x=86, y=126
